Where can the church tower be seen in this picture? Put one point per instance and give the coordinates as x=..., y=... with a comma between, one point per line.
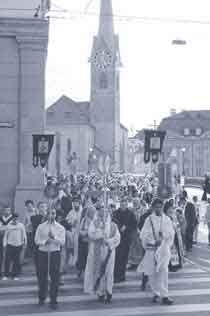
x=105, y=85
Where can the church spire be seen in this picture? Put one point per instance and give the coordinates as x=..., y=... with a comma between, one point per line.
x=106, y=23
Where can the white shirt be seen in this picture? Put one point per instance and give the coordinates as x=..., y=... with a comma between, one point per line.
x=3, y=227
x=15, y=235
x=42, y=236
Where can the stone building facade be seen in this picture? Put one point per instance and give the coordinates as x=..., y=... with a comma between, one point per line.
x=23, y=41
x=94, y=126
x=24, y=8
x=74, y=133
x=188, y=141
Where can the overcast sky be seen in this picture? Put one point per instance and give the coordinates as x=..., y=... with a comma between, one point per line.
x=156, y=76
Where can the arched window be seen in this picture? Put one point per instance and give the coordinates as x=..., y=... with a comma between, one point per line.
x=103, y=81
x=68, y=146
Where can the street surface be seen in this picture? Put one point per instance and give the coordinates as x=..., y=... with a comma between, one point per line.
x=189, y=287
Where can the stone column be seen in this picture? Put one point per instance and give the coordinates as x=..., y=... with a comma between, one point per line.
x=32, y=61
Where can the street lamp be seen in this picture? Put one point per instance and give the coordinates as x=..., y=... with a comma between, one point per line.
x=183, y=154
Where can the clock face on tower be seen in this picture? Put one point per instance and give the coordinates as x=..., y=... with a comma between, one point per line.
x=102, y=59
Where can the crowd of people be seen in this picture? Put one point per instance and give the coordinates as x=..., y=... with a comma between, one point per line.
x=100, y=227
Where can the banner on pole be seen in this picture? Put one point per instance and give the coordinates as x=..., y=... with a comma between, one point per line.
x=153, y=144
x=42, y=146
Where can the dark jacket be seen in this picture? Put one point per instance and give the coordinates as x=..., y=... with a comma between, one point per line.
x=66, y=204
x=127, y=218
x=143, y=219
x=190, y=214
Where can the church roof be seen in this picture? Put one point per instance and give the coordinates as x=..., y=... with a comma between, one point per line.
x=67, y=111
x=187, y=120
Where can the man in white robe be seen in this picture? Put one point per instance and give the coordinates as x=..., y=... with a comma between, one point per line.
x=104, y=237
x=157, y=237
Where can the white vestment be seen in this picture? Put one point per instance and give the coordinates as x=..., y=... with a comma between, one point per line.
x=74, y=218
x=97, y=253
x=156, y=260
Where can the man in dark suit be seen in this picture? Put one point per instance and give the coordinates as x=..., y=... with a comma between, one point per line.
x=191, y=219
x=66, y=200
x=126, y=222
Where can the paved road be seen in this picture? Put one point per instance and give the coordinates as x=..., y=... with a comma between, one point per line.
x=189, y=287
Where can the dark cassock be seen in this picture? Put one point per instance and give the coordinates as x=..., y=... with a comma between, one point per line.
x=66, y=201
x=190, y=217
x=126, y=222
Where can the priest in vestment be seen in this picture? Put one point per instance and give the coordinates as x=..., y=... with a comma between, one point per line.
x=157, y=237
x=104, y=237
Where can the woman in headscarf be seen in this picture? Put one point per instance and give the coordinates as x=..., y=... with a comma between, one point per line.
x=104, y=237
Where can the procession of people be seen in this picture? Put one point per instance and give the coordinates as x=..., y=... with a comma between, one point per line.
x=99, y=227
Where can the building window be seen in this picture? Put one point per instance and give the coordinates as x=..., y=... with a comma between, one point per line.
x=198, y=131
x=198, y=172
x=82, y=115
x=186, y=132
x=187, y=172
x=67, y=114
x=68, y=146
x=50, y=114
x=103, y=81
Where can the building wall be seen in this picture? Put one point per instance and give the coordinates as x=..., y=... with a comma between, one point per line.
x=22, y=93
x=188, y=140
x=9, y=109
x=195, y=159
x=105, y=99
x=123, y=149
x=67, y=112
x=20, y=8
x=82, y=138
x=103, y=114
